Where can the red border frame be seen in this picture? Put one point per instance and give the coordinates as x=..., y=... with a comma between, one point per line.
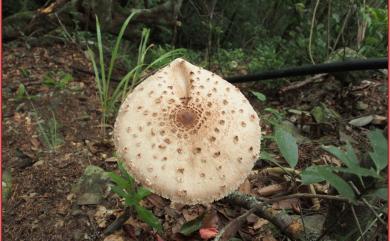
x=1, y=117
x=388, y=110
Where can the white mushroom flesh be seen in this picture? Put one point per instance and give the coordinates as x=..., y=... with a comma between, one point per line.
x=187, y=134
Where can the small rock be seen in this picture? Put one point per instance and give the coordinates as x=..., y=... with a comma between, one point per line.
x=90, y=187
x=89, y=198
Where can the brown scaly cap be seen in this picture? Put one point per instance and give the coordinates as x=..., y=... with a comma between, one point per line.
x=187, y=134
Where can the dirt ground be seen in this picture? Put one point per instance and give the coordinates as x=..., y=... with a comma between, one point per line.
x=42, y=206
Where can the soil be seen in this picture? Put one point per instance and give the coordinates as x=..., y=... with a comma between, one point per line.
x=42, y=206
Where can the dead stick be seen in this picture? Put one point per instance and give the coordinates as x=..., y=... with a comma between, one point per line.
x=309, y=195
x=117, y=224
x=287, y=225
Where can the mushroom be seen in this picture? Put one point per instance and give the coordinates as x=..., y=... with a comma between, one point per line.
x=187, y=134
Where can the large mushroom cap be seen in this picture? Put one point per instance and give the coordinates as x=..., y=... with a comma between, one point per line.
x=187, y=134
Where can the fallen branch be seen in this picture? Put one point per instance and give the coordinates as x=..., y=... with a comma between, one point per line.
x=286, y=224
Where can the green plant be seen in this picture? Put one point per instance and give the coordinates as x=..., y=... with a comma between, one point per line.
x=21, y=92
x=288, y=147
x=6, y=184
x=348, y=157
x=108, y=99
x=259, y=96
x=48, y=131
x=126, y=188
x=58, y=80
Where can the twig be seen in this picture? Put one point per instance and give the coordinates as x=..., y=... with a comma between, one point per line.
x=369, y=226
x=357, y=221
x=302, y=220
x=342, y=29
x=280, y=171
x=367, y=203
x=315, y=200
x=377, y=215
x=311, y=30
x=309, y=195
x=287, y=225
x=232, y=227
x=118, y=222
x=328, y=28
x=297, y=85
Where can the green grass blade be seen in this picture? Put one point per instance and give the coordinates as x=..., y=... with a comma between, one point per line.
x=101, y=60
x=117, y=44
x=97, y=77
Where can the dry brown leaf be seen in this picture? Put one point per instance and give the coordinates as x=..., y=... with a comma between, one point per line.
x=114, y=237
x=35, y=143
x=245, y=187
x=268, y=238
x=210, y=219
x=260, y=223
x=292, y=203
x=252, y=218
x=271, y=190
x=156, y=200
x=101, y=216
x=192, y=212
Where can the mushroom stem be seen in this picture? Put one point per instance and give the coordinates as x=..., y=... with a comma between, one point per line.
x=287, y=225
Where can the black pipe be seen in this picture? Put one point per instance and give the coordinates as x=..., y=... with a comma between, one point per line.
x=350, y=65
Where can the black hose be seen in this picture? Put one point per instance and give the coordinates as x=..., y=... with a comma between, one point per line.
x=350, y=65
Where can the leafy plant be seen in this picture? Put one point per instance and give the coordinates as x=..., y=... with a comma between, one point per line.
x=48, y=132
x=6, y=184
x=126, y=188
x=287, y=145
x=108, y=99
x=59, y=80
x=315, y=174
x=21, y=92
x=380, y=149
x=259, y=96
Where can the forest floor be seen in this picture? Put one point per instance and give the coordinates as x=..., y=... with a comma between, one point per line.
x=44, y=202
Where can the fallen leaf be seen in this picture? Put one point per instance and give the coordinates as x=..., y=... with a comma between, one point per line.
x=271, y=189
x=362, y=121
x=208, y=233
x=269, y=238
x=129, y=230
x=156, y=200
x=35, y=143
x=114, y=237
x=158, y=238
x=192, y=212
x=245, y=187
x=252, y=218
x=191, y=226
x=379, y=120
x=287, y=204
x=210, y=219
x=101, y=216
x=260, y=223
